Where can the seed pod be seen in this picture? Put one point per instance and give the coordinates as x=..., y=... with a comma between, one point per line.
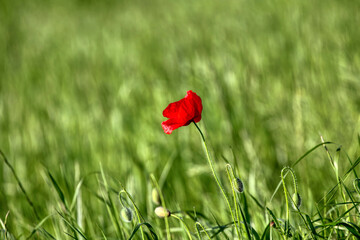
x=162, y=212
x=296, y=201
x=126, y=214
x=239, y=186
x=155, y=196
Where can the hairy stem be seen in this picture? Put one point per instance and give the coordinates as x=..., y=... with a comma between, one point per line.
x=214, y=174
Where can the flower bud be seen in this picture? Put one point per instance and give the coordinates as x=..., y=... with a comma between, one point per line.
x=296, y=201
x=155, y=196
x=239, y=186
x=272, y=224
x=126, y=214
x=162, y=212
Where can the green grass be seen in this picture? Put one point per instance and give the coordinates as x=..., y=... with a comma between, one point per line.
x=82, y=89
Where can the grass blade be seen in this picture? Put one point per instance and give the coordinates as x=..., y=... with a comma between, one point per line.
x=58, y=189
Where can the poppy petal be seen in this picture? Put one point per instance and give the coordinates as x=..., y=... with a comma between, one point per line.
x=171, y=111
x=195, y=101
x=170, y=125
x=197, y=119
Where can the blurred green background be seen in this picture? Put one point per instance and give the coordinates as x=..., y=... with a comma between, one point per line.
x=85, y=82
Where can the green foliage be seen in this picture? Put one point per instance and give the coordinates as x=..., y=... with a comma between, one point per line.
x=83, y=85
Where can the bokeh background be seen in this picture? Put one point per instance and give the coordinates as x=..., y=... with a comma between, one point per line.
x=85, y=82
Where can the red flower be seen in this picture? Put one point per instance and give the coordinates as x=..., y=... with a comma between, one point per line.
x=182, y=112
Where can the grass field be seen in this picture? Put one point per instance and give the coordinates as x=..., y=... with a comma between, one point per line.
x=83, y=85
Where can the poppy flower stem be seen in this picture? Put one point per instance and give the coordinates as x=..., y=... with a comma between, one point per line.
x=217, y=179
x=202, y=135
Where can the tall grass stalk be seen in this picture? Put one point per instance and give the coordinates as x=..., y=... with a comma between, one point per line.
x=156, y=185
x=111, y=208
x=335, y=167
x=187, y=230
x=20, y=185
x=286, y=193
x=197, y=225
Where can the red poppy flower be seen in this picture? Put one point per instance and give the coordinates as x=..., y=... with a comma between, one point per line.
x=182, y=112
